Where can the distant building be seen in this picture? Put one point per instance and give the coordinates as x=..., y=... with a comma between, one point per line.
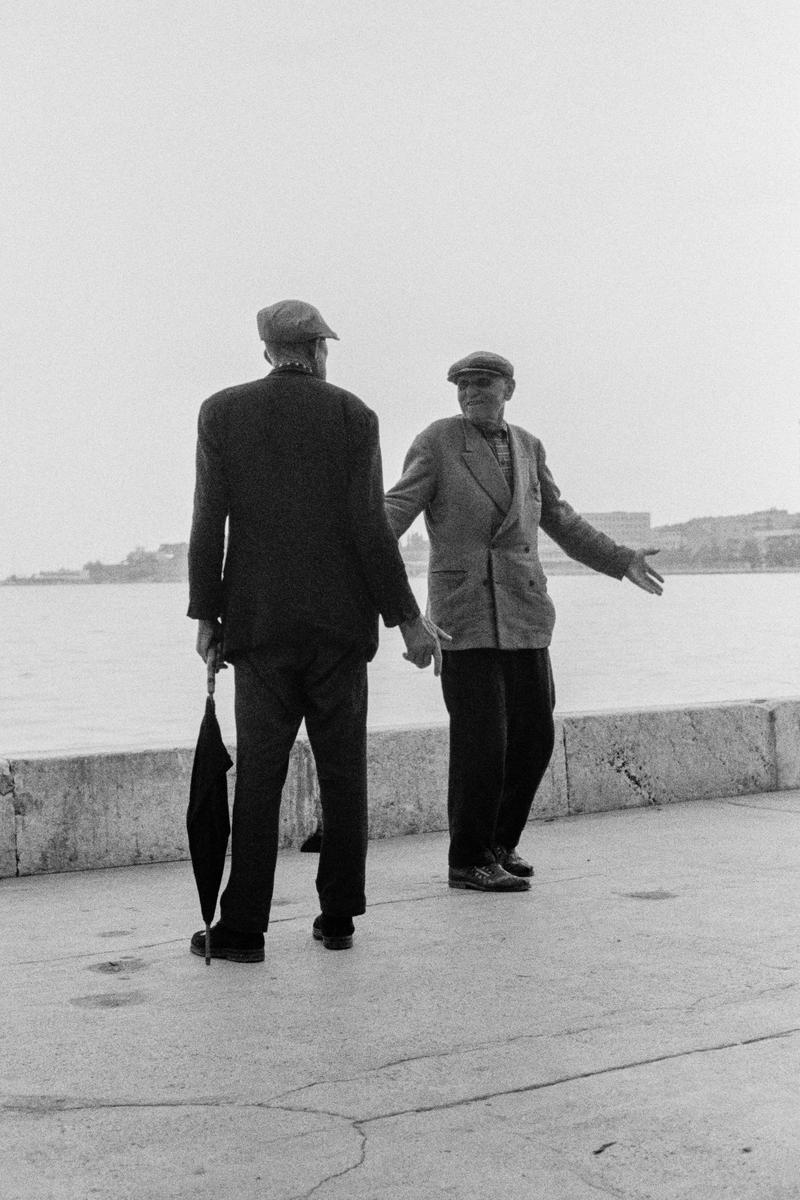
x=173, y=561
x=174, y=550
x=629, y=528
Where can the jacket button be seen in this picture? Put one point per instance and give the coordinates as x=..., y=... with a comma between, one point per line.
x=531, y=583
x=485, y=582
x=527, y=549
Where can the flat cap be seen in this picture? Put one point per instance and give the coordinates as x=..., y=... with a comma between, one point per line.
x=292, y=321
x=483, y=361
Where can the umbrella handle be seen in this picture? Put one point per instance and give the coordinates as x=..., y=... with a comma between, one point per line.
x=211, y=668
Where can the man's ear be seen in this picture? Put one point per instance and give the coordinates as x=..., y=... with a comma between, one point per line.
x=510, y=385
x=266, y=356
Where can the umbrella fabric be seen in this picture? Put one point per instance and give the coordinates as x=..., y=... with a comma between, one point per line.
x=207, y=818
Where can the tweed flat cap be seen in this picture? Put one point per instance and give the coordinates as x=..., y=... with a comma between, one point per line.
x=483, y=361
x=292, y=321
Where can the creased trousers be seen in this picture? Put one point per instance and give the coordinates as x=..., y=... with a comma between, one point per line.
x=276, y=688
x=501, y=739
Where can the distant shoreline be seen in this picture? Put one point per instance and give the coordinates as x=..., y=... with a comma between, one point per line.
x=416, y=569
x=766, y=542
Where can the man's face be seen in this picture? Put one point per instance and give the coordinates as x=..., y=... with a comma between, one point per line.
x=482, y=397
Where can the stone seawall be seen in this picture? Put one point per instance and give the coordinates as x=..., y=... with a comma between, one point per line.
x=107, y=810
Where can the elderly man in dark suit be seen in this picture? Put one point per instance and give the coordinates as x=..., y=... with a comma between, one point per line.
x=485, y=489
x=293, y=465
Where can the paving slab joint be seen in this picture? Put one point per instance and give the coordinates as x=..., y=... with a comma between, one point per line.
x=9, y=853
x=561, y=733
x=784, y=734
x=772, y=718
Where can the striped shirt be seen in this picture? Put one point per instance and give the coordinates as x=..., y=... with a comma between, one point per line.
x=501, y=448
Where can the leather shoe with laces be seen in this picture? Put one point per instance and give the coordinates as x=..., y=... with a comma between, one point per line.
x=236, y=945
x=486, y=877
x=513, y=863
x=335, y=933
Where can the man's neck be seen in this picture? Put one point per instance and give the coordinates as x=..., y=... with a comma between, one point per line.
x=487, y=426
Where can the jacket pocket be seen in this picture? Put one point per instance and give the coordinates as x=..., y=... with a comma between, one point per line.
x=444, y=585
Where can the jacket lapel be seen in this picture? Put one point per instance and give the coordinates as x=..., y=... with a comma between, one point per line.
x=483, y=465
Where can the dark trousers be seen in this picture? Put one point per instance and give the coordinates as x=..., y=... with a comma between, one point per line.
x=276, y=687
x=501, y=739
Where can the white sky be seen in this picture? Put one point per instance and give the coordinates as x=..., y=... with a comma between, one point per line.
x=605, y=191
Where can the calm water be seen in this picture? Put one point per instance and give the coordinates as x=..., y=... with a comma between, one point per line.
x=113, y=666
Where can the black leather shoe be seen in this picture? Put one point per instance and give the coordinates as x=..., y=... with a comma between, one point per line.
x=486, y=877
x=335, y=933
x=233, y=944
x=512, y=862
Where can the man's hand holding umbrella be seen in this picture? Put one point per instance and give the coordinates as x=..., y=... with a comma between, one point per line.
x=209, y=647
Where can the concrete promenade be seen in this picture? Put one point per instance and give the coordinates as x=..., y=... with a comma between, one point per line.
x=629, y=1028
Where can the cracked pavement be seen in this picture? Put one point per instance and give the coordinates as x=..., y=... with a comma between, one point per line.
x=629, y=1028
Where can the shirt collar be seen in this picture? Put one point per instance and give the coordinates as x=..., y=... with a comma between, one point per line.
x=291, y=365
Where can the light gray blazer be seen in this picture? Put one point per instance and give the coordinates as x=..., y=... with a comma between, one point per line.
x=486, y=586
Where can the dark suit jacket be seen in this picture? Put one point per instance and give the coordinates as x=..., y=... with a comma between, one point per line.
x=294, y=466
x=486, y=586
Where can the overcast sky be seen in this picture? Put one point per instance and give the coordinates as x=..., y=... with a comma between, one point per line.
x=604, y=191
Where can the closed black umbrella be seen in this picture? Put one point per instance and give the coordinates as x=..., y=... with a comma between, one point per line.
x=207, y=819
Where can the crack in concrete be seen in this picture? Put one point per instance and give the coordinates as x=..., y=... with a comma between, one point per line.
x=645, y=1062
x=41, y=1106
x=572, y=878
x=398, y=1062
x=605, y=1188
x=640, y=784
x=437, y=895
x=450, y=1052
x=101, y=952
x=727, y=998
x=44, y=1105
x=362, y=1154
x=557, y=1082
x=499, y=1044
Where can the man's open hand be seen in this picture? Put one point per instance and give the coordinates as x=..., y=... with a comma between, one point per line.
x=643, y=575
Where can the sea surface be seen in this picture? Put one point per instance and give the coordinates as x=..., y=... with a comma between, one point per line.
x=113, y=666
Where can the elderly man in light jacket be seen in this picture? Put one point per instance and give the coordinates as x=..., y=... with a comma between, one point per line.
x=485, y=489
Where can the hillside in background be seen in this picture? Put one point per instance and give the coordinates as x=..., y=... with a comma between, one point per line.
x=761, y=541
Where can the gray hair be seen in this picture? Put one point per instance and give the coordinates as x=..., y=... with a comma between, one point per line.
x=279, y=352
